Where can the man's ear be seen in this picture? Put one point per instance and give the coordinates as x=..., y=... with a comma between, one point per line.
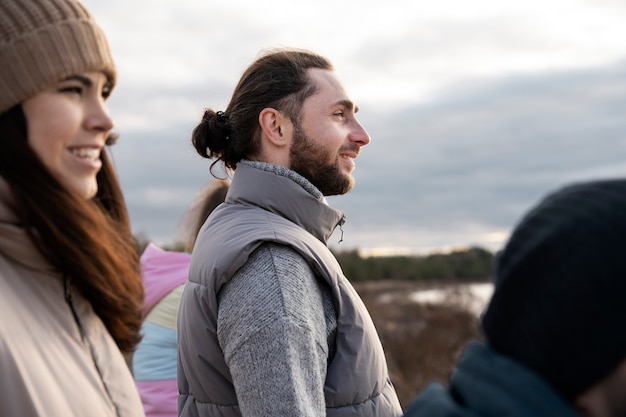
x=275, y=126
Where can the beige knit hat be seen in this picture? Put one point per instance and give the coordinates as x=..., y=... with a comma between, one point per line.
x=44, y=41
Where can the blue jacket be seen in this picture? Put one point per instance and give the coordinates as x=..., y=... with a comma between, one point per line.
x=487, y=384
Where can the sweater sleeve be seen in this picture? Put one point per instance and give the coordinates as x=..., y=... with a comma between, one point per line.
x=273, y=330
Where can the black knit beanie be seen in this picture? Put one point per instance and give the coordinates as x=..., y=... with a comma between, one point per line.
x=559, y=304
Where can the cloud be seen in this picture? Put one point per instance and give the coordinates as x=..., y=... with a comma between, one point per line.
x=458, y=171
x=468, y=165
x=476, y=109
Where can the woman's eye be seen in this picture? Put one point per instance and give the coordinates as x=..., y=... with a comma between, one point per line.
x=106, y=92
x=72, y=89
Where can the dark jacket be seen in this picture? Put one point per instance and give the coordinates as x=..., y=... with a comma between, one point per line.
x=487, y=384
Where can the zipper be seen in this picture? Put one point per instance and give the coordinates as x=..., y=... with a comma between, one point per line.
x=84, y=339
x=341, y=223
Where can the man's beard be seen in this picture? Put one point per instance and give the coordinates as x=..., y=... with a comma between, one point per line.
x=309, y=159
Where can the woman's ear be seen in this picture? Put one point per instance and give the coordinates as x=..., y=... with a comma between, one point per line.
x=275, y=126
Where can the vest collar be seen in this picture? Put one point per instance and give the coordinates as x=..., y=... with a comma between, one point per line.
x=286, y=193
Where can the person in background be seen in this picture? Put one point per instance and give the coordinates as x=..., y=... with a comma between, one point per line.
x=553, y=340
x=165, y=274
x=268, y=324
x=70, y=286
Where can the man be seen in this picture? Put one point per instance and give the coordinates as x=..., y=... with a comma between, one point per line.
x=268, y=325
x=554, y=342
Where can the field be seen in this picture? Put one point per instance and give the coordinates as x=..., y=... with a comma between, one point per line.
x=421, y=341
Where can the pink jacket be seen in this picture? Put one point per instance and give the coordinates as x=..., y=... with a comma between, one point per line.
x=154, y=363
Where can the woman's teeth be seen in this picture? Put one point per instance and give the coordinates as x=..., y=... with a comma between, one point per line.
x=87, y=153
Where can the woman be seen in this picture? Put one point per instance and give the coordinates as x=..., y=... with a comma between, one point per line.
x=165, y=274
x=70, y=288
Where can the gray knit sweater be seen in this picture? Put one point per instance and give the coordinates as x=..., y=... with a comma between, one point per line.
x=275, y=332
x=277, y=322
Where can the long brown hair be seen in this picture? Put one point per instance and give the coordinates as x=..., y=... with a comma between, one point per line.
x=89, y=241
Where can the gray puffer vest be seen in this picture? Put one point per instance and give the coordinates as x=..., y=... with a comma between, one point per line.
x=260, y=207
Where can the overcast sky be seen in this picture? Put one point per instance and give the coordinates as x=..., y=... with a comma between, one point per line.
x=476, y=109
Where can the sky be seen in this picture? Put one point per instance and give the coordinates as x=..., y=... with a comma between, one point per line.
x=476, y=110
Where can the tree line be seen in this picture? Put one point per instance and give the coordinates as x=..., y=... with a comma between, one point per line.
x=471, y=264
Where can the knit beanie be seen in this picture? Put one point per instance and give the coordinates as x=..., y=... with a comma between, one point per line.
x=559, y=304
x=44, y=41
